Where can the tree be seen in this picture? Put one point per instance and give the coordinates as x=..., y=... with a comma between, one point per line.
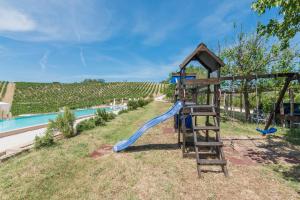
x=252, y=54
x=288, y=24
x=199, y=71
x=64, y=123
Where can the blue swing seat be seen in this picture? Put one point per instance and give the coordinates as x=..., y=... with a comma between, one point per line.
x=267, y=131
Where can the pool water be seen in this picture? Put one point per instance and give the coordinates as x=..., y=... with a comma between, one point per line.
x=34, y=120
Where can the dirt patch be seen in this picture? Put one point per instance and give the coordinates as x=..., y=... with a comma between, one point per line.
x=103, y=150
x=260, y=151
x=167, y=130
x=9, y=95
x=237, y=158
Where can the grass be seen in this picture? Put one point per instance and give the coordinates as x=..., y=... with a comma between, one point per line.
x=154, y=169
x=52, y=171
x=293, y=136
x=291, y=174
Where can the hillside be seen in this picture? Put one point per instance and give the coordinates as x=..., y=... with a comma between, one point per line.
x=84, y=167
x=3, y=88
x=50, y=97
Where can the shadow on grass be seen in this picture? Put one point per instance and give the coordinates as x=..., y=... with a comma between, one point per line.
x=148, y=147
x=289, y=173
x=293, y=136
x=293, y=173
x=274, y=151
x=283, y=155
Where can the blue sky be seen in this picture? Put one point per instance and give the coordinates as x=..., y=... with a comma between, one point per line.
x=117, y=40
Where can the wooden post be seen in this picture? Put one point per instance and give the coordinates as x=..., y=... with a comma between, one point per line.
x=292, y=108
x=282, y=119
x=281, y=95
x=225, y=103
x=241, y=102
x=208, y=96
x=230, y=103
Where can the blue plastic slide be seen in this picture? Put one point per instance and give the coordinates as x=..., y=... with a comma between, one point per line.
x=153, y=122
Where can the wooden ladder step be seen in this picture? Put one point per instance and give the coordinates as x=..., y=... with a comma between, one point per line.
x=207, y=128
x=204, y=114
x=211, y=162
x=209, y=144
x=207, y=153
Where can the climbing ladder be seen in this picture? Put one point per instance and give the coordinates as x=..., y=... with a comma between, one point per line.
x=208, y=150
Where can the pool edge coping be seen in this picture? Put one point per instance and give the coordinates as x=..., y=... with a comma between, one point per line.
x=32, y=128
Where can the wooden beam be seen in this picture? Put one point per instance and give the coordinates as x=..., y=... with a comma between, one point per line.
x=252, y=77
x=293, y=76
x=277, y=105
x=208, y=81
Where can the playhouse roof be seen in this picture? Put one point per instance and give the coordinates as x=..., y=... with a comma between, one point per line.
x=206, y=57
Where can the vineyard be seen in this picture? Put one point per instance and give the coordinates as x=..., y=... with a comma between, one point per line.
x=3, y=87
x=50, y=97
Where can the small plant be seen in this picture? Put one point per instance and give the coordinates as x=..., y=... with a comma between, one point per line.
x=142, y=102
x=91, y=123
x=132, y=105
x=85, y=125
x=99, y=121
x=112, y=116
x=65, y=123
x=45, y=140
x=123, y=111
x=105, y=115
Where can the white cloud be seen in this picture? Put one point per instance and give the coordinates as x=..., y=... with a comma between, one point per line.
x=82, y=58
x=52, y=20
x=14, y=20
x=44, y=60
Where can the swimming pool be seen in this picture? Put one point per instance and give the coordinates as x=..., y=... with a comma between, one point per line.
x=35, y=120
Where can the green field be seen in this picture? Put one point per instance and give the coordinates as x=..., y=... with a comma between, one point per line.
x=50, y=97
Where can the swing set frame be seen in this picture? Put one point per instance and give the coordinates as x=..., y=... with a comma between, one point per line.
x=288, y=78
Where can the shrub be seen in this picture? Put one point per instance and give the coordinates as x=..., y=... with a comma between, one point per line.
x=44, y=141
x=85, y=125
x=105, y=115
x=64, y=123
x=123, y=111
x=111, y=116
x=99, y=121
x=132, y=105
x=142, y=102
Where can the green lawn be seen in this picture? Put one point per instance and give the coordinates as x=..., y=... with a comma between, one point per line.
x=66, y=171
x=65, y=167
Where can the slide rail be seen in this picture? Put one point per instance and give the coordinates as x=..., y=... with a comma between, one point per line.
x=151, y=123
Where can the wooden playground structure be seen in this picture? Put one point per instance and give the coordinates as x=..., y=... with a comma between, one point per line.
x=202, y=136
